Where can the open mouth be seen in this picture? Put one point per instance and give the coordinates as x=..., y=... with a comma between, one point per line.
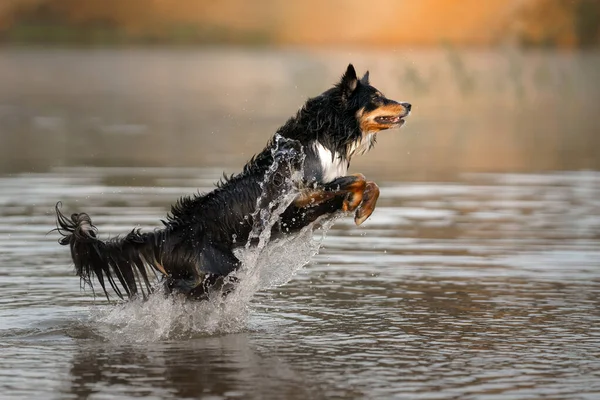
x=391, y=120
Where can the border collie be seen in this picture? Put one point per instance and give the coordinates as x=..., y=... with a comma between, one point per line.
x=193, y=252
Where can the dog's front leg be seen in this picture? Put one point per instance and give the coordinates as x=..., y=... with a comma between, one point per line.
x=358, y=195
x=369, y=200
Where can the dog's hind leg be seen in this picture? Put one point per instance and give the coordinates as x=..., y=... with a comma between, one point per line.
x=209, y=272
x=217, y=284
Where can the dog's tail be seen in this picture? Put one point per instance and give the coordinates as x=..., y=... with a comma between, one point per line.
x=126, y=260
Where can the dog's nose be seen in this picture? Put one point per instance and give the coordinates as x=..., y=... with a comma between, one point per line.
x=406, y=105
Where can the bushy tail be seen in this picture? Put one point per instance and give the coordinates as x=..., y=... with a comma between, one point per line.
x=125, y=260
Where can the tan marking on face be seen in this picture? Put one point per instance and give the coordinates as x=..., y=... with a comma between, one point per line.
x=367, y=120
x=371, y=127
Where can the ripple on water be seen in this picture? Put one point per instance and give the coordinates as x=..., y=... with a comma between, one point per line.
x=486, y=288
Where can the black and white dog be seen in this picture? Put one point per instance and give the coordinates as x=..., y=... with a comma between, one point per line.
x=194, y=250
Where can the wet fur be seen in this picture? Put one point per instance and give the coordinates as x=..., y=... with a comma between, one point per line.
x=193, y=252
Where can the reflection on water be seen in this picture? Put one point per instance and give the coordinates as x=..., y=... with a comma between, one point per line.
x=485, y=287
x=229, y=366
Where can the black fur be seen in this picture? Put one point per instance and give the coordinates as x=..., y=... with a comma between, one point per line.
x=194, y=249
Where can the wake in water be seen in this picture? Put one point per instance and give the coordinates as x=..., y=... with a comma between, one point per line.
x=265, y=264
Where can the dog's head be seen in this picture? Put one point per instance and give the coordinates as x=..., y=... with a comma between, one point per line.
x=372, y=111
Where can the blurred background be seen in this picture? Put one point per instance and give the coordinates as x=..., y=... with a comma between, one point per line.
x=477, y=276
x=497, y=86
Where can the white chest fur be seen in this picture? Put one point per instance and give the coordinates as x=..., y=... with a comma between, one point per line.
x=332, y=164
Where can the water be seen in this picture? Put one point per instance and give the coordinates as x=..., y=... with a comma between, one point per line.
x=462, y=284
x=482, y=288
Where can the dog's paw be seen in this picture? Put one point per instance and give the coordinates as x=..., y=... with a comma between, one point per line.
x=369, y=200
x=355, y=192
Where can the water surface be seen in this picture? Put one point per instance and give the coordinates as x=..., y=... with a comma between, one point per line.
x=482, y=288
x=463, y=284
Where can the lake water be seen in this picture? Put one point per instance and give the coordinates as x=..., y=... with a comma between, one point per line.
x=477, y=277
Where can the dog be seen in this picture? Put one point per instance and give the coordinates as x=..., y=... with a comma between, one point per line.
x=194, y=251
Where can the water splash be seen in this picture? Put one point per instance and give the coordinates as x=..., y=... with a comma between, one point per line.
x=265, y=263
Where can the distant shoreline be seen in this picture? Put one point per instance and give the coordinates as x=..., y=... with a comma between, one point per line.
x=311, y=23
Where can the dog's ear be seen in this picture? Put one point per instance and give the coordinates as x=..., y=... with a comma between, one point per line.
x=365, y=79
x=349, y=81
